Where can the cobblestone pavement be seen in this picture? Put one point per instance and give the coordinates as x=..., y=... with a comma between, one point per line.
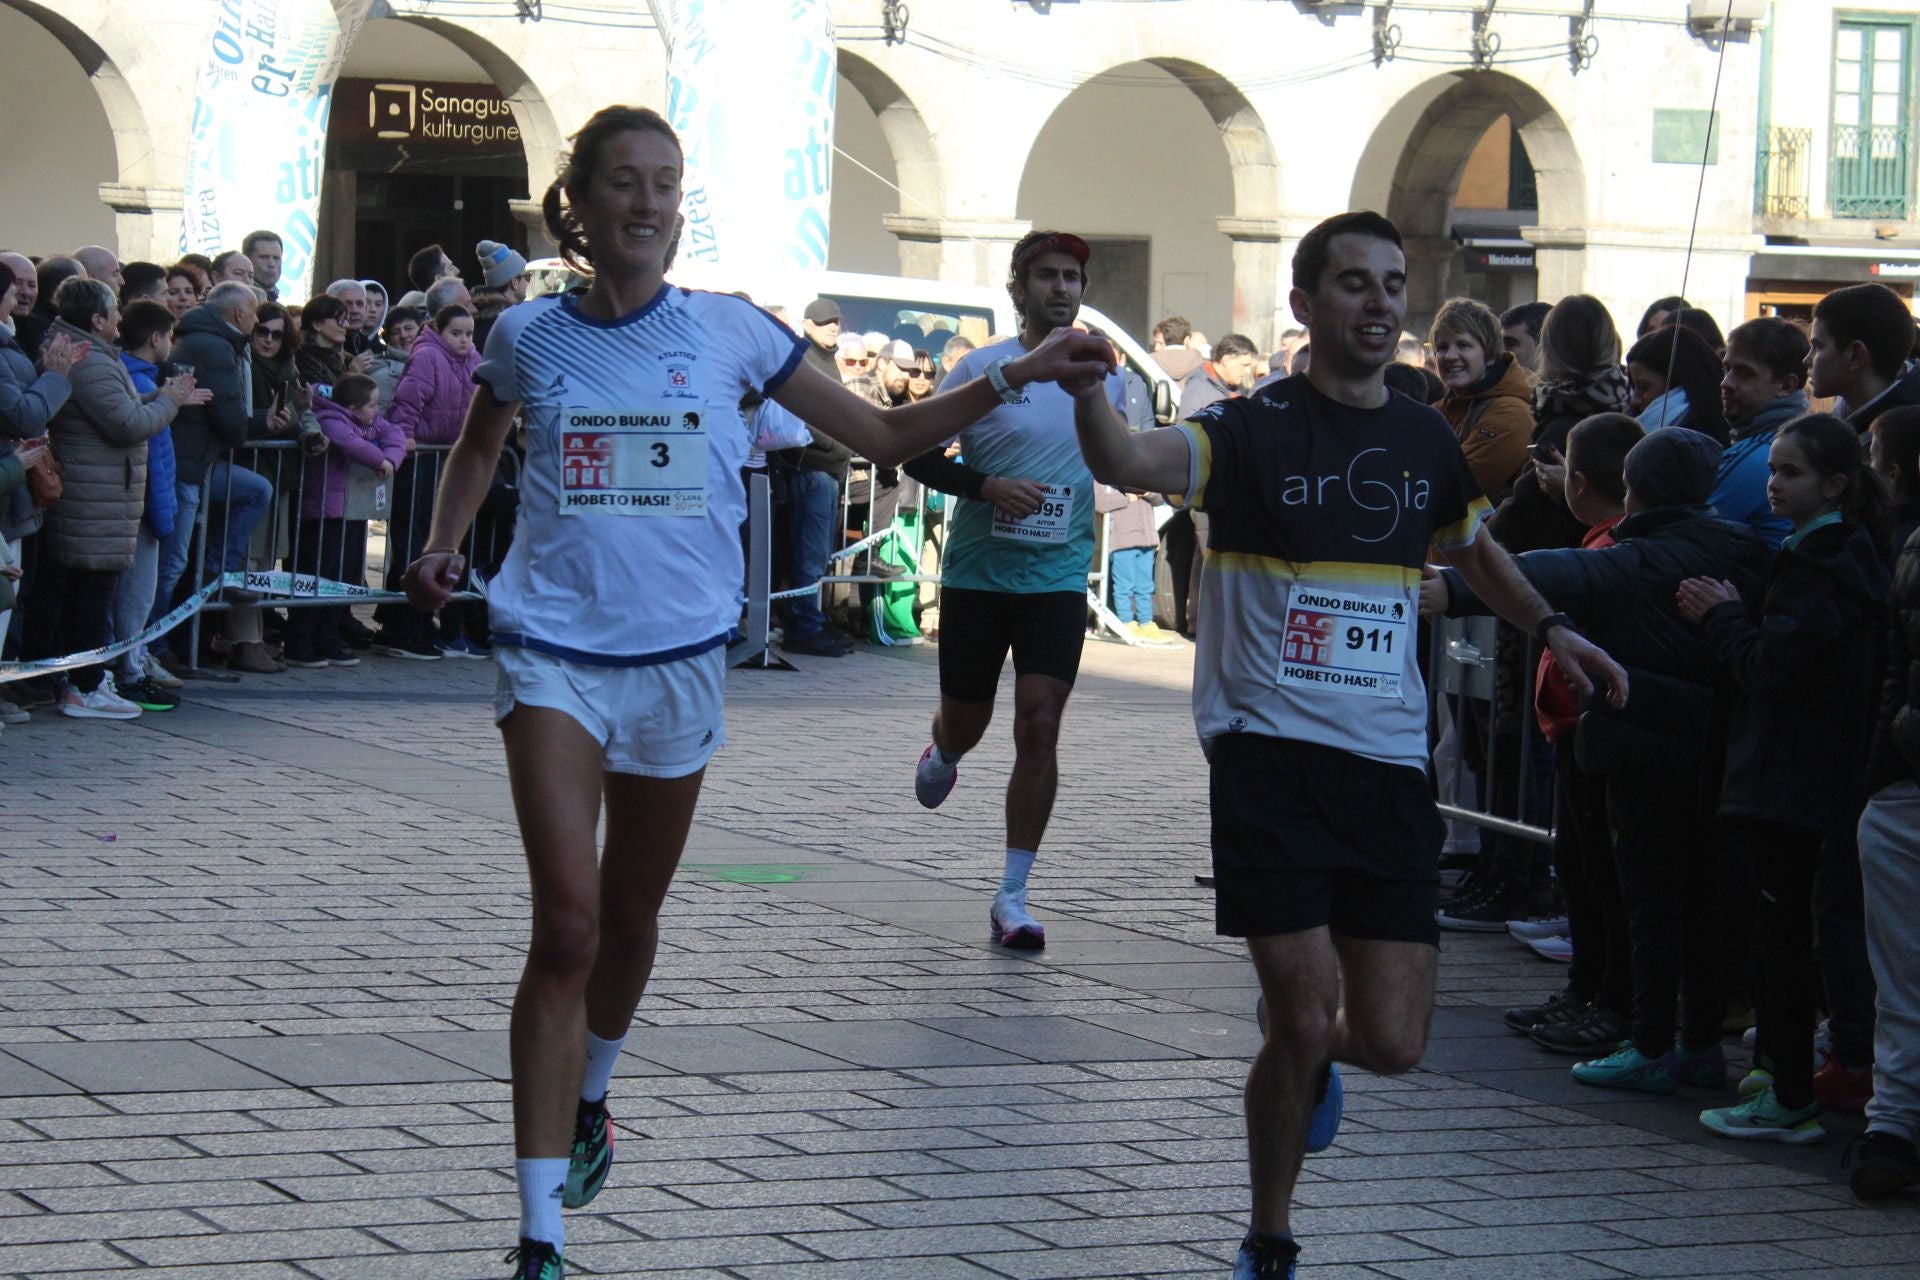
x=257, y=954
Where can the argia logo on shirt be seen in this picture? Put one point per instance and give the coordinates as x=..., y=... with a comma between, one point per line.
x=586, y=461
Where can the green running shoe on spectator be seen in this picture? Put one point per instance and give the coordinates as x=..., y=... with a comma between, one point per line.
x=1628, y=1068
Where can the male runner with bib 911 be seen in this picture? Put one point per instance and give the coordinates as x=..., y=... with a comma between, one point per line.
x=1015, y=574
x=1325, y=492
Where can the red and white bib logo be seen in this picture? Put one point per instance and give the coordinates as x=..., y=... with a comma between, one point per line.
x=1308, y=638
x=586, y=461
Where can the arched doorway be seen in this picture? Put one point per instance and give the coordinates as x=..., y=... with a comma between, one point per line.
x=884, y=167
x=1177, y=217
x=428, y=142
x=79, y=138
x=1461, y=165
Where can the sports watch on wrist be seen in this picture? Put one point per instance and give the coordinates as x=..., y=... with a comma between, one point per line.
x=997, y=379
x=1549, y=622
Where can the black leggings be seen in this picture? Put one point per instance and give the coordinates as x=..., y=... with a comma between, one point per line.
x=1784, y=860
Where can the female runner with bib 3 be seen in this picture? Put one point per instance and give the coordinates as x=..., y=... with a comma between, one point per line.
x=611, y=613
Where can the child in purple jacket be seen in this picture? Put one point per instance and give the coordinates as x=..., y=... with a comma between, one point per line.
x=326, y=543
x=429, y=405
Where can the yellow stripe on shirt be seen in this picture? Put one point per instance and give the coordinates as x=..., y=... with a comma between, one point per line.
x=1463, y=531
x=1201, y=446
x=1320, y=571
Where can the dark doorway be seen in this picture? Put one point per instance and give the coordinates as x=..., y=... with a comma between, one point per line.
x=398, y=214
x=1121, y=280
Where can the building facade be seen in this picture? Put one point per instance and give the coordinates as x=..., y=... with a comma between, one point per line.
x=1561, y=149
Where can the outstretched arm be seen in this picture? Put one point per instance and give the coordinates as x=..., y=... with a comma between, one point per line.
x=1495, y=578
x=889, y=437
x=1158, y=461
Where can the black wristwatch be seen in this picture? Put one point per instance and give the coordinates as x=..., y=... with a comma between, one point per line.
x=1549, y=622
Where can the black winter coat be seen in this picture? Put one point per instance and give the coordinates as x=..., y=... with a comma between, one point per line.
x=1803, y=660
x=1622, y=598
x=1896, y=733
x=217, y=353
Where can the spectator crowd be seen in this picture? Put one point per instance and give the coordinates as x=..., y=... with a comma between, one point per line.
x=1733, y=514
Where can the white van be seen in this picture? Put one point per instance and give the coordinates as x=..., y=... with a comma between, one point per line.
x=924, y=313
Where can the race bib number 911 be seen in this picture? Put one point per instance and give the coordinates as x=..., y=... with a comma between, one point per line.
x=1345, y=641
x=633, y=462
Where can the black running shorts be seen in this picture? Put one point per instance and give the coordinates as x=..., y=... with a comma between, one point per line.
x=1306, y=835
x=1044, y=630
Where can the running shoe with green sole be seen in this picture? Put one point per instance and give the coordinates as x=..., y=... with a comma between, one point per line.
x=592, y=1155
x=536, y=1260
x=1628, y=1068
x=1754, y=1081
x=1761, y=1118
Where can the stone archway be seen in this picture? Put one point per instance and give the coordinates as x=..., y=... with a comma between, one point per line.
x=1412, y=166
x=1169, y=193
x=918, y=221
x=129, y=190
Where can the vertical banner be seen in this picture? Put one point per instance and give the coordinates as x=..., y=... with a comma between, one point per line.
x=259, y=128
x=751, y=94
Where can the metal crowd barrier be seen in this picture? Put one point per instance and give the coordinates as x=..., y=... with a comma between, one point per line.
x=1462, y=687
x=285, y=568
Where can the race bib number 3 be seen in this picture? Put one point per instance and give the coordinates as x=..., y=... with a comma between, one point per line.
x=1345, y=641
x=633, y=462
x=1050, y=524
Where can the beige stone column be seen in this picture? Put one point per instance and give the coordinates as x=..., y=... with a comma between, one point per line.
x=146, y=220
x=960, y=250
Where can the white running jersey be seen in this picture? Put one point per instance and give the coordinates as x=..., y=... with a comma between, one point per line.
x=627, y=543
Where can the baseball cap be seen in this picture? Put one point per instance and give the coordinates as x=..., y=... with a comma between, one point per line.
x=1055, y=242
x=901, y=353
x=822, y=311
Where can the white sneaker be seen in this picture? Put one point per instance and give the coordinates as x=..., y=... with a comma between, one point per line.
x=1528, y=930
x=160, y=675
x=104, y=703
x=933, y=778
x=1560, y=949
x=1012, y=927
x=13, y=713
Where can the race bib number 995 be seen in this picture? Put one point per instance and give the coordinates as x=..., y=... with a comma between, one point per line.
x=1345, y=641
x=1052, y=523
x=633, y=462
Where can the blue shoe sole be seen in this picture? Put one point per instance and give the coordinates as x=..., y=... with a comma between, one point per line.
x=1324, y=1125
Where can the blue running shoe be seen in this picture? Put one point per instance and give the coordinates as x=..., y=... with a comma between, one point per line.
x=1324, y=1123
x=1265, y=1258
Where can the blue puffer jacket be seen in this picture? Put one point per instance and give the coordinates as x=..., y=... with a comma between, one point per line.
x=1740, y=492
x=162, y=502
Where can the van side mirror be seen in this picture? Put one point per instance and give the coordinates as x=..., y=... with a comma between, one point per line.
x=1163, y=406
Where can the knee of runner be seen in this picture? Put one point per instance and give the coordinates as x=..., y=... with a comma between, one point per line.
x=1304, y=1033
x=1036, y=732
x=1396, y=1053
x=565, y=941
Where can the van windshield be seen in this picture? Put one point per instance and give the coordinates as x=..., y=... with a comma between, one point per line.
x=913, y=322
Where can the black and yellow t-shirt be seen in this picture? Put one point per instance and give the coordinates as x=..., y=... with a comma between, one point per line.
x=1321, y=516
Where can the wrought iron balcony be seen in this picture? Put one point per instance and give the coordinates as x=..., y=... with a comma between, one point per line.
x=1872, y=171
x=1781, y=171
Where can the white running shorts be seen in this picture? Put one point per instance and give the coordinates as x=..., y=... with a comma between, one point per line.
x=663, y=721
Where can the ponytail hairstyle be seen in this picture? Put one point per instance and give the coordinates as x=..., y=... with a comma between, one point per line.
x=578, y=170
x=1833, y=448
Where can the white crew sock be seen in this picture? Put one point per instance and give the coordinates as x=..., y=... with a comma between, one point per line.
x=601, y=1057
x=1019, y=865
x=542, y=1185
